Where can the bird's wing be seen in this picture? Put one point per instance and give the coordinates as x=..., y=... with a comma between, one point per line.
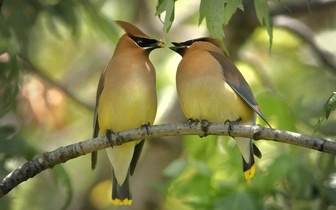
x=237, y=82
x=94, y=155
x=136, y=155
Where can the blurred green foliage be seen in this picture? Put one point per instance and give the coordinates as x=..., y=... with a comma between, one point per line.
x=71, y=42
x=9, y=74
x=328, y=107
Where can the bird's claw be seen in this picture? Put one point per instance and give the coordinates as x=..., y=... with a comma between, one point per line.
x=192, y=121
x=205, y=125
x=109, y=134
x=119, y=140
x=146, y=127
x=231, y=124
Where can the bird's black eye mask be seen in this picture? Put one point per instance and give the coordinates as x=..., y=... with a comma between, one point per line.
x=144, y=42
x=190, y=42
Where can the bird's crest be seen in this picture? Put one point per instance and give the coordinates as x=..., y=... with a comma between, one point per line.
x=130, y=29
x=213, y=41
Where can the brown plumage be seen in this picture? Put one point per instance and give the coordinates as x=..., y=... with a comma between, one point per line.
x=126, y=99
x=210, y=87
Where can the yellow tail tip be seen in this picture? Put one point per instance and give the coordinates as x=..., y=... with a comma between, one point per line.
x=118, y=202
x=250, y=172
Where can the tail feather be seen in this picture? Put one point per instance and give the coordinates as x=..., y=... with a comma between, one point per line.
x=121, y=194
x=249, y=168
x=256, y=151
x=248, y=150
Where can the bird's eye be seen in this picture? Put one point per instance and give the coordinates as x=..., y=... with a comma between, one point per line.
x=139, y=42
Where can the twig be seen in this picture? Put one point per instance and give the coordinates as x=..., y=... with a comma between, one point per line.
x=63, y=154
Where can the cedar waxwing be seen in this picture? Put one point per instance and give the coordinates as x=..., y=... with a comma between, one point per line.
x=126, y=99
x=210, y=87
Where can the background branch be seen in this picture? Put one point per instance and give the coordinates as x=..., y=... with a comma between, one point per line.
x=303, y=31
x=64, y=89
x=297, y=7
x=63, y=154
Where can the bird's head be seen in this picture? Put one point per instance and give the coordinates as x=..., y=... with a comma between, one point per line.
x=181, y=47
x=141, y=39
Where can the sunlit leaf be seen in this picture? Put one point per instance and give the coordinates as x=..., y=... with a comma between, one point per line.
x=328, y=107
x=167, y=6
x=230, y=8
x=214, y=13
x=202, y=12
x=161, y=7
x=264, y=18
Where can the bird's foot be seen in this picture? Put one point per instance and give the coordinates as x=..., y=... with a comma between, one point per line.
x=205, y=126
x=109, y=134
x=192, y=121
x=146, y=127
x=231, y=124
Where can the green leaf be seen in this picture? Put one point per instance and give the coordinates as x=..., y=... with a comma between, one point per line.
x=66, y=11
x=213, y=11
x=62, y=177
x=167, y=6
x=264, y=17
x=13, y=145
x=202, y=12
x=237, y=201
x=160, y=7
x=9, y=73
x=170, y=15
x=175, y=168
x=201, y=167
x=281, y=166
x=328, y=107
x=102, y=23
x=230, y=8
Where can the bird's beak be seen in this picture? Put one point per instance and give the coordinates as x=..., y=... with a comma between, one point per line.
x=177, y=46
x=158, y=44
x=161, y=44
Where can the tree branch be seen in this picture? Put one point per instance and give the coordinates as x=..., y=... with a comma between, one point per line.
x=63, y=154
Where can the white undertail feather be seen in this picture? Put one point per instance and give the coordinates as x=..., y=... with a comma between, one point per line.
x=121, y=154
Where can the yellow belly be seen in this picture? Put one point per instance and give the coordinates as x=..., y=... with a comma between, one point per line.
x=125, y=105
x=204, y=94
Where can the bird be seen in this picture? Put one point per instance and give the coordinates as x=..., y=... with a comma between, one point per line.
x=210, y=87
x=126, y=98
